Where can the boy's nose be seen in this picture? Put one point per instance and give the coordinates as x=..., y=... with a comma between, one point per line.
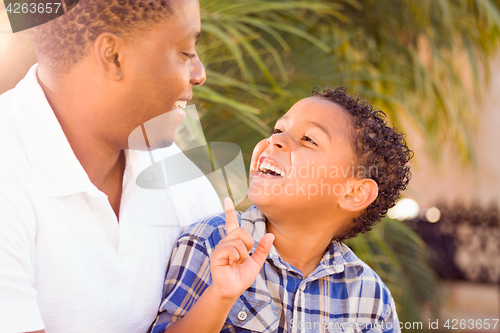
x=198, y=74
x=277, y=140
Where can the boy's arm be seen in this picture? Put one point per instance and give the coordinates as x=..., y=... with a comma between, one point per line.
x=391, y=322
x=233, y=270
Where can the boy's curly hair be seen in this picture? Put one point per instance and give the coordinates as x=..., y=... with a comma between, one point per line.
x=378, y=145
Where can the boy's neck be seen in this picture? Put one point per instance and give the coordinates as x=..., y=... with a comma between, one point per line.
x=298, y=248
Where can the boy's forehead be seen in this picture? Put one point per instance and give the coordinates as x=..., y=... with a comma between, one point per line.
x=316, y=110
x=316, y=107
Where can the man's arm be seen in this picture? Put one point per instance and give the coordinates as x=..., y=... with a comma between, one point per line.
x=233, y=270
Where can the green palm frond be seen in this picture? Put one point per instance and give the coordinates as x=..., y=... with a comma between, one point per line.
x=402, y=55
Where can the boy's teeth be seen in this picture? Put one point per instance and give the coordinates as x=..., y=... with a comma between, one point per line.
x=265, y=167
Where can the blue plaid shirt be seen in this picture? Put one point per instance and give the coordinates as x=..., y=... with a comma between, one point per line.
x=342, y=294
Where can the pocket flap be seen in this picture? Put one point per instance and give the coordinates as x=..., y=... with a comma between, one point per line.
x=254, y=314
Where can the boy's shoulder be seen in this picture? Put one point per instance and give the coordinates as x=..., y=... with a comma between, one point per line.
x=355, y=267
x=363, y=286
x=212, y=228
x=361, y=278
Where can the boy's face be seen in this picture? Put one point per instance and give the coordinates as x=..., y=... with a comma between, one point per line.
x=308, y=161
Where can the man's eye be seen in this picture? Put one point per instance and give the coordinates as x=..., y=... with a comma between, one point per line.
x=306, y=138
x=190, y=55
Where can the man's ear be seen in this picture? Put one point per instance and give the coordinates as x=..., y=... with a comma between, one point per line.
x=360, y=194
x=109, y=55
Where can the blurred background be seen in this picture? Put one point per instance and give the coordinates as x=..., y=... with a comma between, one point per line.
x=432, y=66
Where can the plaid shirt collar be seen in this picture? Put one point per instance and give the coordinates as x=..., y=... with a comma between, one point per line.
x=335, y=259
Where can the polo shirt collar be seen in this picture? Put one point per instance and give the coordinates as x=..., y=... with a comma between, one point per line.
x=48, y=151
x=335, y=259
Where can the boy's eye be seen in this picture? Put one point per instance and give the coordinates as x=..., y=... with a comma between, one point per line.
x=306, y=138
x=276, y=131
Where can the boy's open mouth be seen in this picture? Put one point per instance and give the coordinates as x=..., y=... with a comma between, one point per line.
x=270, y=167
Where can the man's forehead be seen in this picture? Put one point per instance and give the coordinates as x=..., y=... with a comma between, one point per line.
x=186, y=19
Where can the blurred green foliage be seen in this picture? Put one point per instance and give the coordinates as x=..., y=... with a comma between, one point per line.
x=424, y=63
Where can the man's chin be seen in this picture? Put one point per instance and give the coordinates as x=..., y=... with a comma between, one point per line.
x=161, y=143
x=158, y=132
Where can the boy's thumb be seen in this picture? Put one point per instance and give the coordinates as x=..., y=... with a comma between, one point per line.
x=262, y=249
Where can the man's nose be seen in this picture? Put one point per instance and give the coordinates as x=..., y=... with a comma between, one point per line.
x=198, y=74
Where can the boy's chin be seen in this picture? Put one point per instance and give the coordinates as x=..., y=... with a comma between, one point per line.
x=266, y=201
x=260, y=199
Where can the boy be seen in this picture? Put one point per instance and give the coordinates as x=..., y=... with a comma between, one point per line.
x=330, y=170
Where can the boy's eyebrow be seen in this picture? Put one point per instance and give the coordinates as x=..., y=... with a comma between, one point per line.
x=283, y=117
x=321, y=127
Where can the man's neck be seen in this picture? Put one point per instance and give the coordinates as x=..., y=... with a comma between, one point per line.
x=103, y=162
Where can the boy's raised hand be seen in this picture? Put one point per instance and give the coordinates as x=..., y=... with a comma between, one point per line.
x=233, y=269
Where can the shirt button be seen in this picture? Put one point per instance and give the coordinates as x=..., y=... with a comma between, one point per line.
x=303, y=287
x=242, y=315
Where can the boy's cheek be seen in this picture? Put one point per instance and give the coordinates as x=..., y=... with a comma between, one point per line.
x=257, y=151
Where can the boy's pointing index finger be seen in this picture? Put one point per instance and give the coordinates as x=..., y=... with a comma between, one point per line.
x=231, y=218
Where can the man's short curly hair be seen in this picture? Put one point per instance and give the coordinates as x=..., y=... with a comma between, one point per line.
x=375, y=145
x=62, y=42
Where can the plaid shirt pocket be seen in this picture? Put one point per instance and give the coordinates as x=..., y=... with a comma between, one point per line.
x=254, y=315
x=345, y=327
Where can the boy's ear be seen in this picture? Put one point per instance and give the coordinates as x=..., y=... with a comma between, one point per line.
x=108, y=50
x=359, y=195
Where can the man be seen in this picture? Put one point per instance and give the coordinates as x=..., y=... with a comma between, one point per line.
x=80, y=246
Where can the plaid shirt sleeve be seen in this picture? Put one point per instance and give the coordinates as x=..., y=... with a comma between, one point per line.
x=391, y=322
x=188, y=272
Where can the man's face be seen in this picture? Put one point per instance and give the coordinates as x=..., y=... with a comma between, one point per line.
x=307, y=163
x=163, y=67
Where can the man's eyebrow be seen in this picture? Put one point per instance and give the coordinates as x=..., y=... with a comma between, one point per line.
x=321, y=127
x=192, y=35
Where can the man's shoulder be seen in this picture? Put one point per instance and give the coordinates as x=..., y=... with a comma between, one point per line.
x=14, y=168
x=5, y=100
x=11, y=147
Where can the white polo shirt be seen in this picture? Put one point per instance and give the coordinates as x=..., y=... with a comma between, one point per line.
x=66, y=264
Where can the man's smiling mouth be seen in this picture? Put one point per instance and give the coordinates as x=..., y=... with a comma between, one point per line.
x=180, y=103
